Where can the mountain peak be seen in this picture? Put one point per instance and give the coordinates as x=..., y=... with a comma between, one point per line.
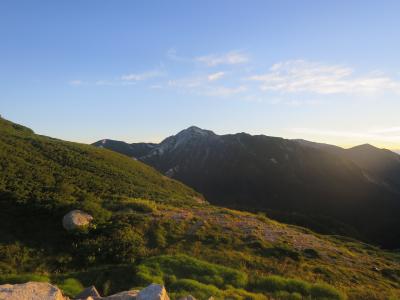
x=365, y=147
x=195, y=131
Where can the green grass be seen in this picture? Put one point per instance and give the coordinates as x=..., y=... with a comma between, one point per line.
x=22, y=278
x=280, y=285
x=70, y=287
x=161, y=268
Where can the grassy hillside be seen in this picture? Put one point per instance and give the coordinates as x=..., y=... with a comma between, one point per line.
x=55, y=173
x=148, y=228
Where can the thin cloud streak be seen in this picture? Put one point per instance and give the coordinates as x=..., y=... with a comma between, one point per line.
x=347, y=134
x=386, y=130
x=142, y=76
x=75, y=82
x=230, y=58
x=297, y=76
x=205, y=85
x=216, y=76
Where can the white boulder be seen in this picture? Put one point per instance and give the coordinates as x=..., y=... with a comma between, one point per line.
x=76, y=219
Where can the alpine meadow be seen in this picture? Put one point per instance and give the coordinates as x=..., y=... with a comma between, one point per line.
x=199, y=150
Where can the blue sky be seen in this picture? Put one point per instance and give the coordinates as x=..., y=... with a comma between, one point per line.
x=142, y=70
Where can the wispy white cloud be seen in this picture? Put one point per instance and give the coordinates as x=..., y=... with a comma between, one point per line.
x=205, y=85
x=142, y=76
x=128, y=79
x=211, y=60
x=216, y=76
x=156, y=86
x=348, y=134
x=296, y=76
x=75, y=82
x=223, y=91
x=230, y=58
x=172, y=54
x=187, y=83
x=104, y=82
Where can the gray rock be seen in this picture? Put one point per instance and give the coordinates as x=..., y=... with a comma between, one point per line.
x=76, y=219
x=128, y=295
x=90, y=291
x=153, y=292
x=30, y=291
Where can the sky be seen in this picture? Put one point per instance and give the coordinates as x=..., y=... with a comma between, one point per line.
x=325, y=71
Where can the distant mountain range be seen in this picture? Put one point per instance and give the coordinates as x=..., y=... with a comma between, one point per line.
x=327, y=188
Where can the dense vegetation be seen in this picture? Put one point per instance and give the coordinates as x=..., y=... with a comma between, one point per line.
x=56, y=174
x=323, y=187
x=148, y=228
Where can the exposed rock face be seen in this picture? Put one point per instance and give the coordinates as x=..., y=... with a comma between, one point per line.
x=30, y=291
x=153, y=292
x=76, y=219
x=88, y=292
x=128, y=295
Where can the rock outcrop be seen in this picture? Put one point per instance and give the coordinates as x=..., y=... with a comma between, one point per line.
x=90, y=291
x=46, y=291
x=30, y=291
x=153, y=292
x=76, y=219
x=128, y=295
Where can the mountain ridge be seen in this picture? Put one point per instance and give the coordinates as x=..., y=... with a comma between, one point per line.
x=253, y=173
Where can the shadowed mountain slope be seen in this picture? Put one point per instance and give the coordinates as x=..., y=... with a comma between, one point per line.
x=316, y=185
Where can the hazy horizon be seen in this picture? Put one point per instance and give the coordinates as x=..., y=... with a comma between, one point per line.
x=133, y=140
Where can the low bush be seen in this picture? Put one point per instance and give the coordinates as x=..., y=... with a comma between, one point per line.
x=287, y=286
x=184, y=287
x=138, y=204
x=156, y=269
x=325, y=291
x=281, y=252
x=311, y=253
x=70, y=287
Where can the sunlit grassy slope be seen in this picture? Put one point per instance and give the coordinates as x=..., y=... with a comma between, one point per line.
x=148, y=228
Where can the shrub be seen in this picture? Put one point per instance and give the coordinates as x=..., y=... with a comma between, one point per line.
x=297, y=286
x=270, y=284
x=240, y=294
x=311, y=253
x=325, y=291
x=16, y=255
x=282, y=295
x=157, y=236
x=195, y=288
x=70, y=287
x=185, y=267
x=282, y=252
x=283, y=286
x=139, y=204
